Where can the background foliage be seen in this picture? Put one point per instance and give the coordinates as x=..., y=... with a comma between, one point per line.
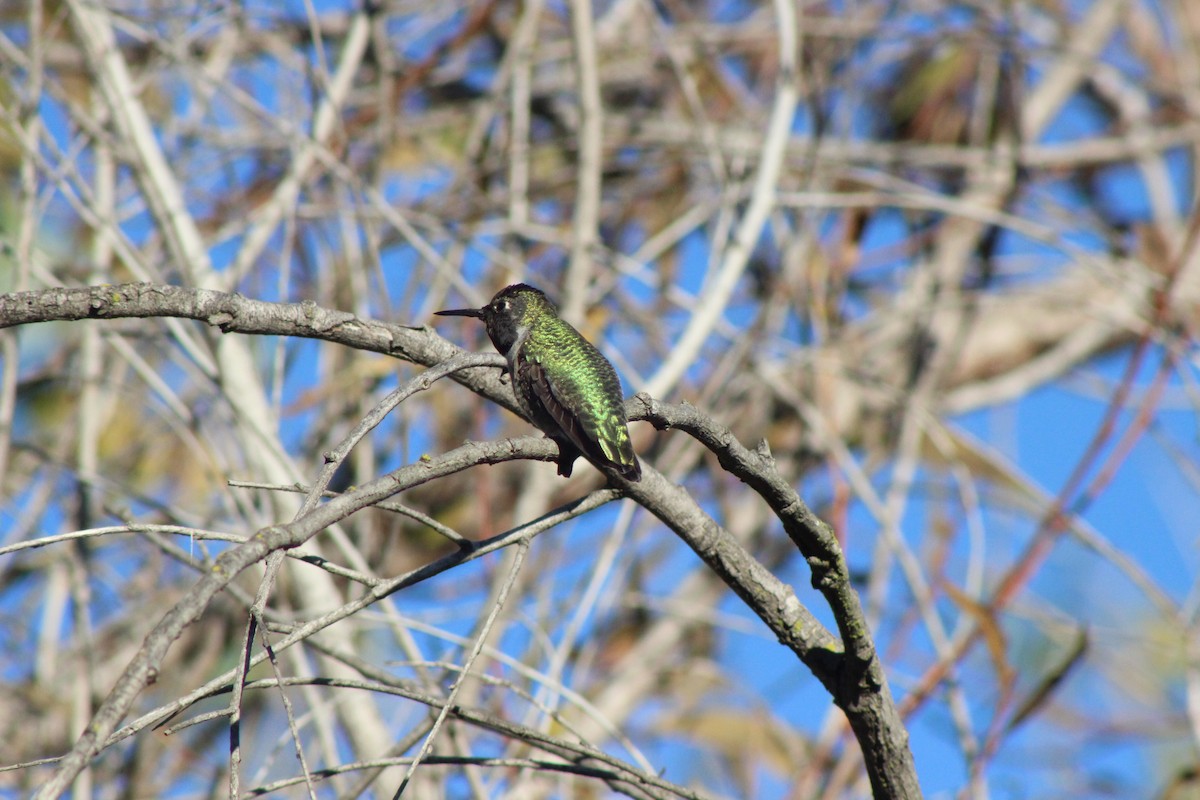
x=940, y=256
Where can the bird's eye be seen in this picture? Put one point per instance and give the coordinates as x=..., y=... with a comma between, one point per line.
x=504, y=304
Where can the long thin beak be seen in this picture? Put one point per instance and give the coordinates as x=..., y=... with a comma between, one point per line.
x=461, y=312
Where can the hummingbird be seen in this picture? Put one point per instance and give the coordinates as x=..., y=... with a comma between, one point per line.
x=562, y=382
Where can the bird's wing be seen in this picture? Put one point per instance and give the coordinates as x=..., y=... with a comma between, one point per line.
x=603, y=437
x=560, y=411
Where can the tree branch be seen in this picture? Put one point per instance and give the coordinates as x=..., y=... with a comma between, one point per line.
x=851, y=673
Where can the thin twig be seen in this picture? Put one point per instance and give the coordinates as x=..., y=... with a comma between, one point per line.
x=522, y=549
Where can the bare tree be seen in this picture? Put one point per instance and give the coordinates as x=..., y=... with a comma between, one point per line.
x=242, y=552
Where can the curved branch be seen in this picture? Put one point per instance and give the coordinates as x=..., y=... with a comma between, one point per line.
x=143, y=668
x=852, y=674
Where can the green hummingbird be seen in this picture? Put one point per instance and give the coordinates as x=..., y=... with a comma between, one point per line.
x=562, y=382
